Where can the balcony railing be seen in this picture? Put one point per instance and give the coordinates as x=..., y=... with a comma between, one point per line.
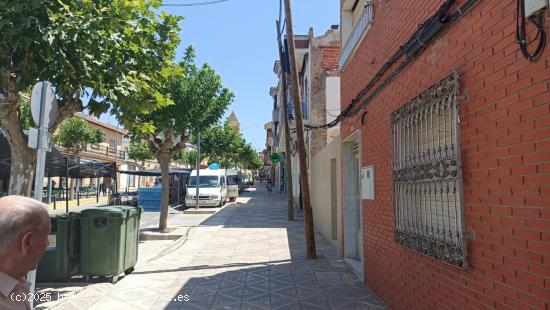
x=102, y=150
x=105, y=150
x=356, y=35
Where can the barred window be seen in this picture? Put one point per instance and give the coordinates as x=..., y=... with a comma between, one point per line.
x=427, y=175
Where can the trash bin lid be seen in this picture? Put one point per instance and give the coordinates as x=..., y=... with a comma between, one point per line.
x=106, y=212
x=130, y=211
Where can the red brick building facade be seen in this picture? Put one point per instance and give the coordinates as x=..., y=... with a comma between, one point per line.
x=504, y=147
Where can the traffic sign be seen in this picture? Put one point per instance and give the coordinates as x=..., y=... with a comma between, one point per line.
x=43, y=92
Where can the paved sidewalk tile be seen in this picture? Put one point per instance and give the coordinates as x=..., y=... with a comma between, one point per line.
x=246, y=256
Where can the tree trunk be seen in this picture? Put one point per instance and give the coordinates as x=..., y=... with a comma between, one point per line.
x=164, y=162
x=23, y=158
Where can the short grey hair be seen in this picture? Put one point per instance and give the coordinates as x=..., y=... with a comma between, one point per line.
x=19, y=215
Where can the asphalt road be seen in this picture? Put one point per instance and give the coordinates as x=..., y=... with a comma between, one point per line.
x=151, y=219
x=175, y=219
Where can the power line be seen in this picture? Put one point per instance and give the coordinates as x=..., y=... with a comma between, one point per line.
x=195, y=3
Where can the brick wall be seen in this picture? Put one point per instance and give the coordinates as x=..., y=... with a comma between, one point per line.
x=505, y=128
x=330, y=56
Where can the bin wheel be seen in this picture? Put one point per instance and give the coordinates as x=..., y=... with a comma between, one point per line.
x=129, y=271
x=114, y=280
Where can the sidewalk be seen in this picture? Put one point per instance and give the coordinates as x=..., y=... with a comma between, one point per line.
x=246, y=256
x=84, y=203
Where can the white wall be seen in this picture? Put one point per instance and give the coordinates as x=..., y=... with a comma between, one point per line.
x=333, y=105
x=327, y=218
x=296, y=179
x=123, y=178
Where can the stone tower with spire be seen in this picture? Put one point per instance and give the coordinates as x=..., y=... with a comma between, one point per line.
x=233, y=121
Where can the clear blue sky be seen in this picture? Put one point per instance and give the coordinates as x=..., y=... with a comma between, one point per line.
x=238, y=39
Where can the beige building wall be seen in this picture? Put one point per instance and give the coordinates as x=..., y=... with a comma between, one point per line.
x=327, y=193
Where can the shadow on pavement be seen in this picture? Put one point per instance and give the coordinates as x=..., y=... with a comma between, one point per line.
x=258, y=261
x=246, y=256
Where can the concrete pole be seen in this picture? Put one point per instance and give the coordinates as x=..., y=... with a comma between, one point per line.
x=304, y=178
x=66, y=185
x=42, y=149
x=198, y=167
x=49, y=189
x=288, y=158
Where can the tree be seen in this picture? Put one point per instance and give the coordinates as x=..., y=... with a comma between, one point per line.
x=199, y=100
x=101, y=50
x=74, y=134
x=25, y=114
x=187, y=158
x=222, y=143
x=249, y=159
x=138, y=150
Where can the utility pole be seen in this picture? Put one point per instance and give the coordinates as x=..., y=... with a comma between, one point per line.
x=287, y=129
x=308, y=213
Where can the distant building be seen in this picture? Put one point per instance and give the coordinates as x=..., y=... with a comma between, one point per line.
x=319, y=83
x=234, y=122
x=113, y=149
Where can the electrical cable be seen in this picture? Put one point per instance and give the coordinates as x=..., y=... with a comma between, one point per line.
x=538, y=21
x=281, y=28
x=419, y=40
x=195, y=3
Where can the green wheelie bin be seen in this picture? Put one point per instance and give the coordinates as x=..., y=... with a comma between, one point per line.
x=61, y=260
x=133, y=217
x=132, y=237
x=103, y=242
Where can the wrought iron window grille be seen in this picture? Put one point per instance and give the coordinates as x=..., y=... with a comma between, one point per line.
x=427, y=174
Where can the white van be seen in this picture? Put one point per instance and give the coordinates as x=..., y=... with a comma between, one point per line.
x=212, y=188
x=233, y=184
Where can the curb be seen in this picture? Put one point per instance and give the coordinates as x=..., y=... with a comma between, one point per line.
x=148, y=236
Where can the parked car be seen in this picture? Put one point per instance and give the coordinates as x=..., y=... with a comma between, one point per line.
x=233, y=184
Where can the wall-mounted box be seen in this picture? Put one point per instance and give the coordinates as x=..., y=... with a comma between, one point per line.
x=367, y=183
x=533, y=6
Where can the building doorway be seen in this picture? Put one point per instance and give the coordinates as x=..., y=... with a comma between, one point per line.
x=353, y=211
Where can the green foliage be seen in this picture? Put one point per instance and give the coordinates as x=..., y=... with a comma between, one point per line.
x=139, y=150
x=75, y=133
x=199, y=100
x=113, y=48
x=222, y=143
x=249, y=158
x=25, y=115
x=187, y=157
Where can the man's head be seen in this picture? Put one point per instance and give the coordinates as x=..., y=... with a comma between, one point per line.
x=24, y=229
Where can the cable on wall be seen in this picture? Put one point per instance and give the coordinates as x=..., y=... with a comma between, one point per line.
x=521, y=35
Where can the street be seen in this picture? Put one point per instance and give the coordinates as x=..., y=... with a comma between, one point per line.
x=393, y=154
x=246, y=256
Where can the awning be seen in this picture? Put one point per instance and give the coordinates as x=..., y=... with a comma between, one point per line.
x=57, y=163
x=156, y=172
